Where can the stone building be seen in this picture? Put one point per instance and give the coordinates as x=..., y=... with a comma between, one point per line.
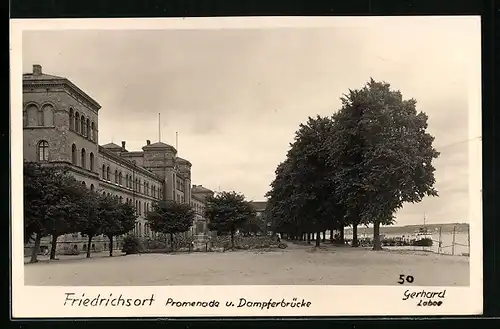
x=61, y=126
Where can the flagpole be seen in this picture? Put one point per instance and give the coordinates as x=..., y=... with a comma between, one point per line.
x=159, y=128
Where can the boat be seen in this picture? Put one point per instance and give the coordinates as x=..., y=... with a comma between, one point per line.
x=423, y=237
x=423, y=233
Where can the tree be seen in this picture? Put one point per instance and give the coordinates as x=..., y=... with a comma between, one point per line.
x=35, y=177
x=302, y=196
x=53, y=204
x=170, y=217
x=387, y=154
x=254, y=225
x=94, y=222
x=126, y=217
x=109, y=213
x=228, y=212
x=68, y=209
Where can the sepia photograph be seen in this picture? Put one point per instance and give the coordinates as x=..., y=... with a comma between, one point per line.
x=342, y=153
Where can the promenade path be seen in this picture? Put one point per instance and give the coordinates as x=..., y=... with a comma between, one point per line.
x=296, y=265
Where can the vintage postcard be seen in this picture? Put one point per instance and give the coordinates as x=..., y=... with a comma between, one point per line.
x=246, y=167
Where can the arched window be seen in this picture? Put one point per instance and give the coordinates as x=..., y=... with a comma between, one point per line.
x=116, y=176
x=91, y=187
x=92, y=129
x=91, y=161
x=136, y=183
x=48, y=115
x=145, y=188
x=107, y=173
x=83, y=162
x=104, y=193
x=43, y=151
x=82, y=123
x=73, y=155
x=103, y=172
x=32, y=115
x=140, y=208
x=139, y=186
x=88, y=134
x=77, y=122
x=83, y=183
x=121, y=199
x=120, y=178
x=71, y=119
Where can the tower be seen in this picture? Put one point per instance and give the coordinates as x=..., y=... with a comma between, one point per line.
x=60, y=125
x=159, y=158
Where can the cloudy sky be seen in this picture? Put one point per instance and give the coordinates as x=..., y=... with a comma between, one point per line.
x=236, y=96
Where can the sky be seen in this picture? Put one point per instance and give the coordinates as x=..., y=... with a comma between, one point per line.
x=237, y=96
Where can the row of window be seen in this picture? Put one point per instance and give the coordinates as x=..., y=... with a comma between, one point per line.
x=82, y=126
x=197, y=208
x=180, y=198
x=128, y=181
x=38, y=116
x=43, y=155
x=147, y=230
x=180, y=184
x=140, y=208
x=83, y=158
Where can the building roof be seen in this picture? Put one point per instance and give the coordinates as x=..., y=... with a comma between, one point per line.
x=43, y=76
x=111, y=146
x=200, y=189
x=259, y=205
x=183, y=161
x=159, y=146
x=37, y=77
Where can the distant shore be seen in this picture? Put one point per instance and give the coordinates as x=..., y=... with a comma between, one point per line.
x=411, y=229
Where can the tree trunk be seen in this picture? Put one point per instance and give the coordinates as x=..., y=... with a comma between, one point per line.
x=377, y=245
x=318, y=238
x=34, y=252
x=354, y=235
x=308, y=238
x=88, y=245
x=53, y=246
x=172, y=242
x=110, y=237
x=331, y=236
x=232, y=239
x=341, y=235
x=324, y=236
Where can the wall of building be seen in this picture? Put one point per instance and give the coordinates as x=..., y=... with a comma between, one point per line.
x=53, y=113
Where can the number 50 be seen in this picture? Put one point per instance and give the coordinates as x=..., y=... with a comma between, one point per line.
x=407, y=278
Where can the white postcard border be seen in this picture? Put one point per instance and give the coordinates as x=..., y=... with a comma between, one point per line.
x=37, y=301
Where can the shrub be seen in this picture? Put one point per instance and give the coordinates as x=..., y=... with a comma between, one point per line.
x=131, y=245
x=282, y=245
x=70, y=251
x=155, y=245
x=426, y=242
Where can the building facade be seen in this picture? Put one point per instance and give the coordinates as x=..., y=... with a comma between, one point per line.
x=61, y=126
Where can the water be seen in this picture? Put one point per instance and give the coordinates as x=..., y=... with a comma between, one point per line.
x=461, y=242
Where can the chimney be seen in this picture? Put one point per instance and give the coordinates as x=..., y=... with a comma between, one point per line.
x=37, y=69
x=148, y=142
x=123, y=145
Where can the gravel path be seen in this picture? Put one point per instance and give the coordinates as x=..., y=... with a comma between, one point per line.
x=296, y=265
